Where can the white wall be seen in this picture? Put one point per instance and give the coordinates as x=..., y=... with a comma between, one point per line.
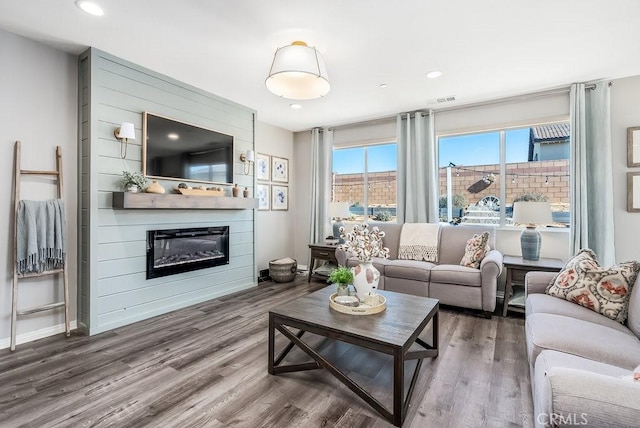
x=302, y=174
x=275, y=229
x=39, y=99
x=625, y=112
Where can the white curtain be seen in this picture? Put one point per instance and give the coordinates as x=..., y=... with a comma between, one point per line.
x=592, y=223
x=321, y=146
x=417, y=169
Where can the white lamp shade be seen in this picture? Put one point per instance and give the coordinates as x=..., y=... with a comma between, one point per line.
x=127, y=131
x=339, y=209
x=298, y=72
x=532, y=212
x=250, y=156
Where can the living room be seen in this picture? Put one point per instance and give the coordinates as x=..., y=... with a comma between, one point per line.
x=42, y=79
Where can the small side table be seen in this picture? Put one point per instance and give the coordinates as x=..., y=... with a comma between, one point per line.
x=517, y=268
x=321, y=252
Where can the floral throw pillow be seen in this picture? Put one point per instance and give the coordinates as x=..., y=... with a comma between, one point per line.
x=606, y=291
x=475, y=250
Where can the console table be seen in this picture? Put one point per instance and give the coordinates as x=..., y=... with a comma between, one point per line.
x=517, y=268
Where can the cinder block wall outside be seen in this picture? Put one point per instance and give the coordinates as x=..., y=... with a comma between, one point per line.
x=550, y=178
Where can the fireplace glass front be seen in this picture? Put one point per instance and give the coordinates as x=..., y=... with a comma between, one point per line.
x=182, y=250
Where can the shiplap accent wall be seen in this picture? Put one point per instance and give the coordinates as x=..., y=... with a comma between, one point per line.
x=114, y=290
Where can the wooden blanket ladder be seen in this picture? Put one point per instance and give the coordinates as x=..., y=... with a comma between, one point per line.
x=19, y=172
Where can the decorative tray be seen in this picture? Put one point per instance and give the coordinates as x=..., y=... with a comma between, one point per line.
x=200, y=192
x=361, y=309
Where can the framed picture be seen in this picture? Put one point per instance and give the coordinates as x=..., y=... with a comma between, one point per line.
x=279, y=197
x=263, y=196
x=633, y=146
x=633, y=192
x=279, y=169
x=263, y=165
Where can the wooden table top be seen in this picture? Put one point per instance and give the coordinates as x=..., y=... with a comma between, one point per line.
x=404, y=317
x=543, y=263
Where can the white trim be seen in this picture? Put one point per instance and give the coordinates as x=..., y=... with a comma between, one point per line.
x=540, y=229
x=38, y=334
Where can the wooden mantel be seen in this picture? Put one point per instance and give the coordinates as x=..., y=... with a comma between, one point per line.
x=129, y=200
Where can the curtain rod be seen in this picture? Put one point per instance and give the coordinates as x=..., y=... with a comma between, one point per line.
x=547, y=93
x=550, y=92
x=369, y=122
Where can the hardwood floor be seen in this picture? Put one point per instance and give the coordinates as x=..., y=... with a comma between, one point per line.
x=206, y=366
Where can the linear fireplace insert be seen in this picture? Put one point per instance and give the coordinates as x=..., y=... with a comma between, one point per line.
x=174, y=251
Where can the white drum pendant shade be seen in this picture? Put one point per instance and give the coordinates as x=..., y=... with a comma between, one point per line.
x=298, y=73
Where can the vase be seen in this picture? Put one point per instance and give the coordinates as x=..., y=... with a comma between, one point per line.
x=155, y=187
x=365, y=279
x=132, y=188
x=235, y=191
x=245, y=192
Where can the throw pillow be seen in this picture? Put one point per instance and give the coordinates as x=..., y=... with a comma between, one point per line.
x=585, y=282
x=475, y=250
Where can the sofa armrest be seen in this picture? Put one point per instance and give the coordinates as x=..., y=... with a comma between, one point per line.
x=490, y=269
x=493, y=257
x=537, y=282
x=580, y=397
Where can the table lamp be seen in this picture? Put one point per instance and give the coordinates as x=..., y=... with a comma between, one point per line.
x=338, y=210
x=531, y=214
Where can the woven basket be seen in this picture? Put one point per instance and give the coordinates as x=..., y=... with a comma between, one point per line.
x=283, y=272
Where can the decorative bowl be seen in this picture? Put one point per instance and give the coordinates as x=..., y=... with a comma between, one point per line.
x=347, y=300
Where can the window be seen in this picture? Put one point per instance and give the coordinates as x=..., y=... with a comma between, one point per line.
x=481, y=186
x=366, y=178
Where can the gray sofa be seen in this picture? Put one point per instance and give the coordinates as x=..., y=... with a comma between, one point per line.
x=447, y=281
x=576, y=358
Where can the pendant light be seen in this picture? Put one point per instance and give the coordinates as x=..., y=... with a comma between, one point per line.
x=298, y=72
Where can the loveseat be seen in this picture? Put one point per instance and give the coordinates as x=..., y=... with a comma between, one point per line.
x=445, y=280
x=581, y=362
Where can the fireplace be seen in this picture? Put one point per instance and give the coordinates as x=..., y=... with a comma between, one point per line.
x=182, y=250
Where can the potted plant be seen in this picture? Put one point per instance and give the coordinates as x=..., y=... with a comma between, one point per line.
x=133, y=181
x=341, y=277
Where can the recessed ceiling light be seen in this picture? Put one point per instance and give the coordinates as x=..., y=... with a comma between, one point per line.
x=383, y=85
x=173, y=136
x=295, y=106
x=434, y=74
x=90, y=8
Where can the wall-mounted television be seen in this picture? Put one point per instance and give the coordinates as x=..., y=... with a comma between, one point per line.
x=176, y=150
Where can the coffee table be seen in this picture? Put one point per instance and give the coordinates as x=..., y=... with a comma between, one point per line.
x=394, y=332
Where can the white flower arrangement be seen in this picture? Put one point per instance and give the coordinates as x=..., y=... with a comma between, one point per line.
x=364, y=244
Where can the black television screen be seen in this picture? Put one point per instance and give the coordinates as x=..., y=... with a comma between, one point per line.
x=180, y=151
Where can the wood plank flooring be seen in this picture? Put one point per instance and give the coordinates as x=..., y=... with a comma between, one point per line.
x=206, y=366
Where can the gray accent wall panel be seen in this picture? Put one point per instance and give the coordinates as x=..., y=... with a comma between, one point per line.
x=114, y=289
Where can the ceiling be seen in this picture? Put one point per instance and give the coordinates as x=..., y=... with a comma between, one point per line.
x=486, y=49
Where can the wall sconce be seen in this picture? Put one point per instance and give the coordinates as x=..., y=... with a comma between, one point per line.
x=123, y=134
x=247, y=159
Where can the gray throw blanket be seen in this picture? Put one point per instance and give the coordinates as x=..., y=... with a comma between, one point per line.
x=40, y=241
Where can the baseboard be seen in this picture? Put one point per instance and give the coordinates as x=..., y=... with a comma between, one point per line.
x=38, y=334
